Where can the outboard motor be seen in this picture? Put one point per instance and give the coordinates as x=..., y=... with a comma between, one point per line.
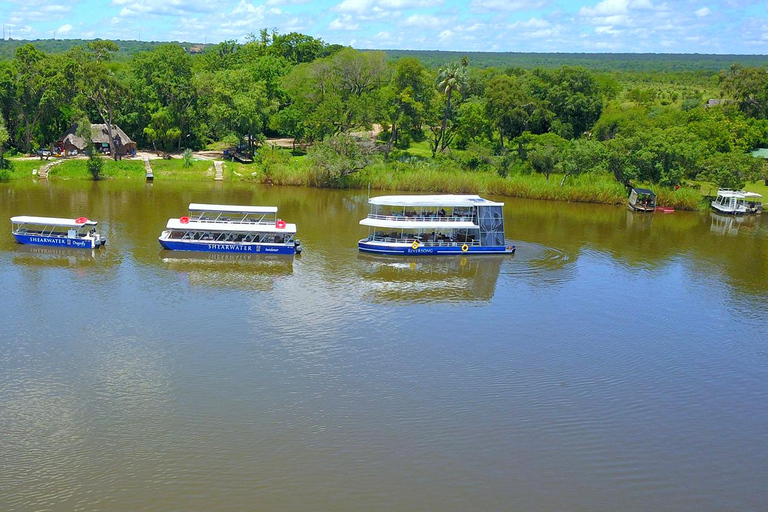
x=297, y=246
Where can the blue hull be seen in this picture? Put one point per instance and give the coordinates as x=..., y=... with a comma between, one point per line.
x=176, y=245
x=55, y=241
x=366, y=246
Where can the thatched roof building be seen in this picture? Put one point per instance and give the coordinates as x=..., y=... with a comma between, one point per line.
x=100, y=137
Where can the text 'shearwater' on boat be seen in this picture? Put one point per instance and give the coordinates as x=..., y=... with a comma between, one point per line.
x=231, y=228
x=434, y=224
x=78, y=233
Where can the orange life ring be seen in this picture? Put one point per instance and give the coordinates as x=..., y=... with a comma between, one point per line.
x=81, y=220
x=184, y=220
x=280, y=224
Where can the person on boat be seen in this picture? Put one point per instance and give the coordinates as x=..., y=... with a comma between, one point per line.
x=441, y=212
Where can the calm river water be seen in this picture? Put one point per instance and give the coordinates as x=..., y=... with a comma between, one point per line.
x=617, y=362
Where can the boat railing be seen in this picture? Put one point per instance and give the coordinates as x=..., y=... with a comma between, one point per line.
x=424, y=243
x=427, y=218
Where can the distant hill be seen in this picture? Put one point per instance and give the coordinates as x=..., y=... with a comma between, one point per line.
x=673, y=62
x=127, y=48
x=638, y=62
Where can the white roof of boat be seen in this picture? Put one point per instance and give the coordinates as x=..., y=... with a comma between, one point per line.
x=737, y=193
x=433, y=200
x=231, y=208
x=51, y=221
x=417, y=224
x=230, y=226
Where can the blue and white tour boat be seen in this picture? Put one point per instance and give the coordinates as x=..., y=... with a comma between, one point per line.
x=78, y=233
x=420, y=225
x=230, y=228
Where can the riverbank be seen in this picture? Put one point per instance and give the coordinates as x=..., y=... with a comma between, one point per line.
x=411, y=176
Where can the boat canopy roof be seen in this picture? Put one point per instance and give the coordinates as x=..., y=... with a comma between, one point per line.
x=231, y=208
x=230, y=227
x=644, y=191
x=460, y=200
x=52, y=221
x=739, y=194
x=417, y=224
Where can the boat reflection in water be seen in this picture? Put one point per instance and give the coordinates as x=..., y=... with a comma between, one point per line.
x=427, y=279
x=229, y=270
x=725, y=224
x=43, y=256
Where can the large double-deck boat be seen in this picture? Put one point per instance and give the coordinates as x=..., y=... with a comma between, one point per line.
x=78, y=233
x=231, y=228
x=737, y=202
x=434, y=224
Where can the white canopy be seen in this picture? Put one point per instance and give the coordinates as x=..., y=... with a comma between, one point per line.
x=459, y=200
x=231, y=208
x=51, y=221
x=739, y=194
x=229, y=227
x=417, y=224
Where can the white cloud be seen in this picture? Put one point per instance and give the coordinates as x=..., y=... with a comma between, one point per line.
x=507, y=5
x=165, y=7
x=424, y=21
x=704, y=11
x=344, y=23
x=409, y=4
x=356, y=6
x=613, y=7
x=64, y=29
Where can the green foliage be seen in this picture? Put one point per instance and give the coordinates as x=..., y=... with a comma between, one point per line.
x=187, y=157
x=731, y=170
x=338, y=157
x=95, y=164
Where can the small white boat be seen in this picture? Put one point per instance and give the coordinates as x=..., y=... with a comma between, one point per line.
x=737, y=202
x=231, y=228
x=434, y=225
x=78, y=233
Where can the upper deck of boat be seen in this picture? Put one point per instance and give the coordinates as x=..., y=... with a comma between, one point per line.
x=437, y=200
x=193, y=225
x=53, y=221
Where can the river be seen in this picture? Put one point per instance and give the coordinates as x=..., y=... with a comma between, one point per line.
x=617, y=361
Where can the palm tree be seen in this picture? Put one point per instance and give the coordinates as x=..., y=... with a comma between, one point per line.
x=450, y=78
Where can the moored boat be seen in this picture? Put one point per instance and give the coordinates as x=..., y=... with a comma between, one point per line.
x=434, y=225
x=231, y=228
x=737, y=202
x=642, y=200
x=78, y=233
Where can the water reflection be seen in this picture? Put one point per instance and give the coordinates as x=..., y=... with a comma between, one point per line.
x=224, y=270
x=731, y=224
x=40, y=256
x=430, y=278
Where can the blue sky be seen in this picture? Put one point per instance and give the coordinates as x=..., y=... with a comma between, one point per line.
x=672, y=26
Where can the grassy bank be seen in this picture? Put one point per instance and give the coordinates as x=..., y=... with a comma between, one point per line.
x=416, y=175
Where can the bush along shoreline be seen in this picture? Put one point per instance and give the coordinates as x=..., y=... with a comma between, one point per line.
x=407, y=174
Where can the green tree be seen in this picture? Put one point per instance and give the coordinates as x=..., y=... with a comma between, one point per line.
x=100, y=84
x=451, y=78
x=338, y=157
x=731, y=170
x=582, y=156
x=749, y=88
x=545, y=152
x=161, y=131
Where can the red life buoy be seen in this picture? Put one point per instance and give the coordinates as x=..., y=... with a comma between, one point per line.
x=184, y=220
x=81, y=220
x=280, y=224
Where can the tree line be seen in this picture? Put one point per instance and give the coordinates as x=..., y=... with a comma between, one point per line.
x=564, y=120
